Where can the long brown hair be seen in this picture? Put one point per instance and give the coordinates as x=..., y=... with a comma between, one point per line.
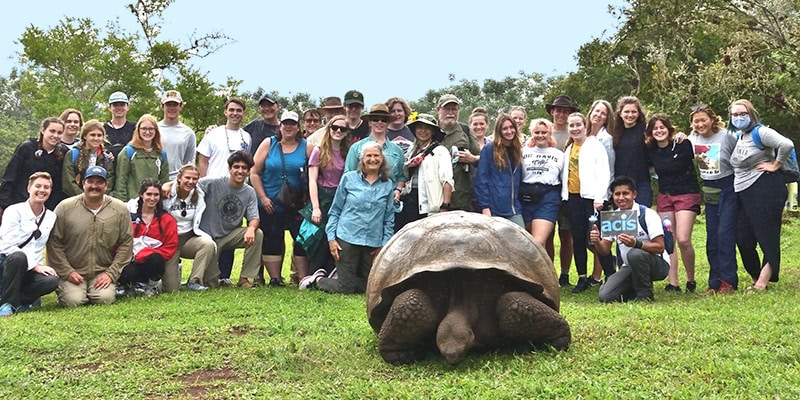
x=618, y=124
x=649, y=140
x=138, y=143
x=89, y=126
x=326, y=145
x=514, y=150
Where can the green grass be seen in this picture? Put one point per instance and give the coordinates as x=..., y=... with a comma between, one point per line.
x=283, y=343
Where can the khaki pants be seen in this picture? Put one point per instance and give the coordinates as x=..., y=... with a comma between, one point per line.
x=199, y=248
x=235, y=240
x=72, y=295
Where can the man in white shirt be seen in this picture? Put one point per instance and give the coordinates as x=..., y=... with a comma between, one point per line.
x=177, y=139
x=642, y=258
x=220, y=142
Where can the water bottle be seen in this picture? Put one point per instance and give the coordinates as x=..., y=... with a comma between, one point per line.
x=667, y=223
x=454, y=154
x=592, y=225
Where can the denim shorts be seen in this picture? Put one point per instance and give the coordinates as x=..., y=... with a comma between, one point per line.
x=546, y=209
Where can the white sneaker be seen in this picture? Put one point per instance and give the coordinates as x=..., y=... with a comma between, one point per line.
x=310, y=280
x=333, y=274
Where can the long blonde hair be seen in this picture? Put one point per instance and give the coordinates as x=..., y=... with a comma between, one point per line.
x=326, y=145
x=138, y=143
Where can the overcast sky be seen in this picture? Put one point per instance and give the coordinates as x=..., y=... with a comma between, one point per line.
x=384, y=49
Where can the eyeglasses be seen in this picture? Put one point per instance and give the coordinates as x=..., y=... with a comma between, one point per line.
x=339, y=128
x=143, y=129
x=380, y=119
x=183, y=208
x=741, y=114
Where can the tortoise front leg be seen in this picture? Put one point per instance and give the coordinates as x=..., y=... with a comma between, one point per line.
x=524, y=319
x=409, y=328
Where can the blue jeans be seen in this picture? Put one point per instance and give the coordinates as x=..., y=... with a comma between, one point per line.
x=721, y=235
x=644, y=193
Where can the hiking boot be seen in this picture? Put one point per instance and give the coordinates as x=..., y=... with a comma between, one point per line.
x=563, y=280
x=594, y=282
x=244, y=283
x=583, y=284
x=672, y=288
x=276, y=282
x=310, y=281
x=691, y=286
x=196, y=287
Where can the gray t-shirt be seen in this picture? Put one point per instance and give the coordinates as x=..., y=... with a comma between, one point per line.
x=226, y=206
x=180, y=143
x=561, y=138
x=713, y=154
x=403, y=138
x=746, y=156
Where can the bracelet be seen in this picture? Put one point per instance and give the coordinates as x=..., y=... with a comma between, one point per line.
x=638, y=244
x=399, y=189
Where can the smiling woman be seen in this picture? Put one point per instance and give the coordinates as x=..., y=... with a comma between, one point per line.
x=141, y=159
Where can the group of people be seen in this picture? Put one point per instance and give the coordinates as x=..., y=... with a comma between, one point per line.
x=117, y=205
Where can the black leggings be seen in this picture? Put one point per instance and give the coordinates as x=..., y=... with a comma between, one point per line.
x=150, y=269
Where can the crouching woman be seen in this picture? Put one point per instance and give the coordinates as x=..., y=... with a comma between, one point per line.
x=155, y=240
x=360, y=222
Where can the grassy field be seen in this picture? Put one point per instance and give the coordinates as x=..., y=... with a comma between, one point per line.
x=283, y=343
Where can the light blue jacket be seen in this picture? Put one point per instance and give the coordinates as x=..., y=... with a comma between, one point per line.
x=362, y=213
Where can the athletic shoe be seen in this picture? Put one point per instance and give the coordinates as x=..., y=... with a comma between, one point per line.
x=594, y=282
x=276, y=282
x=563, y=280
x=334, y=274
x=691, y=286
x=6, y=310
x=225, y=282
x=311, y=280
x=672, y=288
x=258, y=282
x=196, y=287
x=583, y=284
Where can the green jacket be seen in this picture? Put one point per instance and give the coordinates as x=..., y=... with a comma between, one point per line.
x=132, y=171
x=70, y=170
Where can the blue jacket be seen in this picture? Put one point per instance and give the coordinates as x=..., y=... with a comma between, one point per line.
x=495, y=189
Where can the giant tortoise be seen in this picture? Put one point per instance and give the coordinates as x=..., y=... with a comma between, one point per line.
x=463, y=281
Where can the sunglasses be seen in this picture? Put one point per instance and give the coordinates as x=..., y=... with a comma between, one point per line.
x=183, y=208
x=379, y=119
x=338, y=128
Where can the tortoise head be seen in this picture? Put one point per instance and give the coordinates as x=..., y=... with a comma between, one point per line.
x=454, y=337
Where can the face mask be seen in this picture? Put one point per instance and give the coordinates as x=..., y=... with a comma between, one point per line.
x=741, y=122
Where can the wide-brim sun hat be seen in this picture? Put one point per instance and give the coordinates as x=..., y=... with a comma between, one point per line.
x=377, y=110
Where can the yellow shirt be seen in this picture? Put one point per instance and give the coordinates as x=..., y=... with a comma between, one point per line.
x=573, y=180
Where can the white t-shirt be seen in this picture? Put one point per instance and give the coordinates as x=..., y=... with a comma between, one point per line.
x=542, y=165
x=218, y=144
x=654, y=230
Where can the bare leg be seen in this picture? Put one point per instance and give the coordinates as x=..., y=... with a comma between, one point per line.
x=672, y=276
x=683, y=235
x=542, y=231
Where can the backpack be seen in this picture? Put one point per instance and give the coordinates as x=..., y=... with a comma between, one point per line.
x=789, y=170
x=130, y=152
x=669, y=240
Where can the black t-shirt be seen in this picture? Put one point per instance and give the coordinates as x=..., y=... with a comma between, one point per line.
x=630, y=152
x=361, y=132
x=259, y=130
x=118, y=138
x=675, y=168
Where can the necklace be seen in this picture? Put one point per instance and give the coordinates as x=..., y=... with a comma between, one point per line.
x=242, y=144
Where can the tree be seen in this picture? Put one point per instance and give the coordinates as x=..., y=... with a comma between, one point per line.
x=75, y=64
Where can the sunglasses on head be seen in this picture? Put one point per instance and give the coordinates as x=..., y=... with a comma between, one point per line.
x=338, y=128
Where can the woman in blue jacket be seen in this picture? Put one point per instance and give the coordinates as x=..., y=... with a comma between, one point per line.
x=500, y=173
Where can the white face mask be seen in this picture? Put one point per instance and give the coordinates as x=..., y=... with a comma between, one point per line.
x=741, y=122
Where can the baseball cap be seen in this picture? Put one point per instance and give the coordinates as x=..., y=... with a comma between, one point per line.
x=96, y=171
x=290, y=115
x=118, y=97
x=268, y=97
x=447, y=99
x=171, y=95
x=353, y=97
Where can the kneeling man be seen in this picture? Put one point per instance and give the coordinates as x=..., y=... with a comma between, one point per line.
x=91, y=243
x=642, y=258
